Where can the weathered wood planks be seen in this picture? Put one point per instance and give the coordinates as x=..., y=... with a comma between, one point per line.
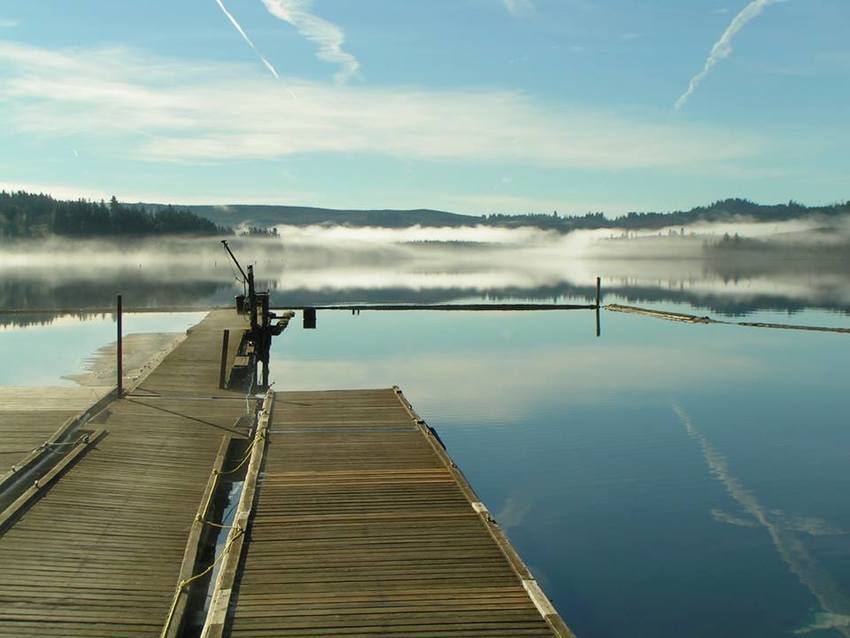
x=30, y=416
x=100, y=553
x=363, y=527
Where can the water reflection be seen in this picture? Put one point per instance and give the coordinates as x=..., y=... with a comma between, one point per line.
x=835, y=605
x=179, y=273
x=572, y=443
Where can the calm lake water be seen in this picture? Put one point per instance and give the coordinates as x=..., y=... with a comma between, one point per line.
x=664, y=480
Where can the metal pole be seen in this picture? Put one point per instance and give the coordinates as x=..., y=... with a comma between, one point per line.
x=119, y=359
x=233, y=257
x=225, y=340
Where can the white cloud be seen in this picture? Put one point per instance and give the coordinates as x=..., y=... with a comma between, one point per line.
x=327, y=36
x=6, y=23
x=519, y=7
x=173, y=110
x=722, y=49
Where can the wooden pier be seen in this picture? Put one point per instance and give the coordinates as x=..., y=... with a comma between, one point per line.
x=362, y=526
x=98, y=551
x=353, y=520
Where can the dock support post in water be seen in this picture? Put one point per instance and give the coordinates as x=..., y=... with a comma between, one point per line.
x=119, y=358
x=222, y=373
x=598, y=292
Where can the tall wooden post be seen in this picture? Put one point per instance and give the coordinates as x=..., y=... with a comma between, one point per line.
x=252, y=301
x=222, y=374
x=252, y=309
x=598, y=291
x=119, y=358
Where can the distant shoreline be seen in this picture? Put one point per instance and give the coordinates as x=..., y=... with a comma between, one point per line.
x=25, y=215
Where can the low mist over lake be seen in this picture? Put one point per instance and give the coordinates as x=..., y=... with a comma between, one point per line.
x=784, y=266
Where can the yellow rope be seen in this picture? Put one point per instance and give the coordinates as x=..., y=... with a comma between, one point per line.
x=183, y=584
x=83, y=439
x=198, y=519
x=259, y=437
x=238, y=532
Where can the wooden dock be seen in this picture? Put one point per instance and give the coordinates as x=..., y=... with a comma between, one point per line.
x=98, y=551
x=353, y=520
x=362, y=526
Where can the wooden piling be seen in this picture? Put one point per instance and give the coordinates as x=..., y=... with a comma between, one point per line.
x=222, y=373
x=598, y=292
x=119, y=358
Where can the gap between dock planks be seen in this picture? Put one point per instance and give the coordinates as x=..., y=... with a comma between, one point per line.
x=99, y=553
x=363, y=526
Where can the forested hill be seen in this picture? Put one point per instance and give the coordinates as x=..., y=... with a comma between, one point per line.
x=28, y=216
x=306, y=216
x=726, y=210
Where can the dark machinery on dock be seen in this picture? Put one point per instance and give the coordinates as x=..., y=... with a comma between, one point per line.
x=264, y=323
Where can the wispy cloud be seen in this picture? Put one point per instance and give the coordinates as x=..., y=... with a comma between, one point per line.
x=722, y=49
x=519, y=7
x=245, y=37
x=6, y=23
x=159, y=109
x=327, y=36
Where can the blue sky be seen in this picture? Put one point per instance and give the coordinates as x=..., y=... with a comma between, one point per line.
x=469, y=105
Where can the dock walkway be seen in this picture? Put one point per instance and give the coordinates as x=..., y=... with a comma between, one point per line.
x=363, y=526
x=99, y=553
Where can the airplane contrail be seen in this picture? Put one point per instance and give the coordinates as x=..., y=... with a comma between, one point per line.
x=790, y=548
x=722, y=49
x=245, y=37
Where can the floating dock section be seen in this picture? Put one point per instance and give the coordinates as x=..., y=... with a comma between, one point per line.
x=361, y=525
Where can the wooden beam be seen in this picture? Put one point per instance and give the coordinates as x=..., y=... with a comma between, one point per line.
x=44, y=482
x=217, y=614
x=194, y=542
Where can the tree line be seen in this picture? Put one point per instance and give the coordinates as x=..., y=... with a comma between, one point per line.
x=27, y=215
x=722, y=210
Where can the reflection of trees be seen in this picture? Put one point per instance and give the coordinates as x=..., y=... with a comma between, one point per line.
x=140, y=293
x=635, y=294
x=208, y=280
x=25, y=294
x=23, y=320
